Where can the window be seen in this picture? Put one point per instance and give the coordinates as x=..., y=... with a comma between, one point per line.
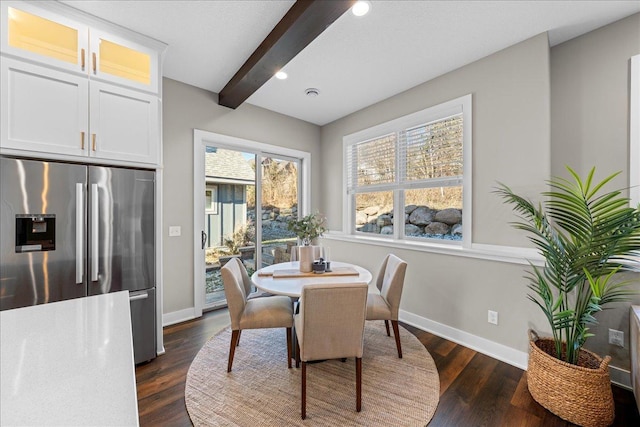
x=405, y=179
x=211, y=199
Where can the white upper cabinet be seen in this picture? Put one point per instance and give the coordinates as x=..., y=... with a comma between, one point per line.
x=76, y=86
x=42, y=35
x=39, y=35
x=43, y=110
x=123, y=124
x=125, y=62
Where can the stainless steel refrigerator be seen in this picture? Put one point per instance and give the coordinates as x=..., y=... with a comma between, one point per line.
x=71, y=230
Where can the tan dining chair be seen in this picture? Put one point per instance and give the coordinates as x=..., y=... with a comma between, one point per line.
x=385, y=304
x=257, y=313
x=246, y=281
x=330, y=325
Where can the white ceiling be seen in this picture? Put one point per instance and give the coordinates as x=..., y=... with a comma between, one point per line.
x=356, y=61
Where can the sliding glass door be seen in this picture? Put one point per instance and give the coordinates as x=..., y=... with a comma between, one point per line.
x=248, y=199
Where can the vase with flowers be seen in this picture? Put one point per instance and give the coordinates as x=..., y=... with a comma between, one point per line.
x=307, y=229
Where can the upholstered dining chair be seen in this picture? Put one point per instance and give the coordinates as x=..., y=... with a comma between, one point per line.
x=246, y=281
x=385, y=304
x=330, y=325
x=257, y=313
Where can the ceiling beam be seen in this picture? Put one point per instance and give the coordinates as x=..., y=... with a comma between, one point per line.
x=305, y=21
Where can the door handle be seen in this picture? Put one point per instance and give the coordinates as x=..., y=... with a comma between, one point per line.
x=79, y=232
x=94, y=232
x=204, y=239
x=139, y=296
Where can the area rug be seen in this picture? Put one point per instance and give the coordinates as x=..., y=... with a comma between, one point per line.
x=261, y=391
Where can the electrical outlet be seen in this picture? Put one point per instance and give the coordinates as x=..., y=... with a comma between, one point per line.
x=175, y=231
x=616, y=337
x=492, y=317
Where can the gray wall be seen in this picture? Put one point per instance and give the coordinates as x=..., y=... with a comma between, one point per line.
x=511, y=111
x=590, y=127
x=186, y=108
x=534, y=110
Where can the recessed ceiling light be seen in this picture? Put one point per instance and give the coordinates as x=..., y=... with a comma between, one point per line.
x=361, y=8
x=281, y=75
x=312, y=92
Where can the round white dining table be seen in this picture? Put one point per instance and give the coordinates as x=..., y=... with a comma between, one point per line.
x=292, y=286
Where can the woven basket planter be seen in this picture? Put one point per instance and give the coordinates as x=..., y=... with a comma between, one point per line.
x=580, y=394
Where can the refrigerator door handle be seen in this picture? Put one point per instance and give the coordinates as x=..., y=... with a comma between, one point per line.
x=138, y=296
x=94, y=232
x=79, y=232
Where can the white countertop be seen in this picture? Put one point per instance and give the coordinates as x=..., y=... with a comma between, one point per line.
x=68, y=363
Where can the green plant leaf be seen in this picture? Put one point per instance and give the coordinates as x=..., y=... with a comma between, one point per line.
x=583, y=232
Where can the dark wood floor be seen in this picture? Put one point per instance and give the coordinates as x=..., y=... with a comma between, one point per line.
x=475, y=390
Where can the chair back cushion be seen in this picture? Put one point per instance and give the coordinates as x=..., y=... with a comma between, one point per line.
x=383, y=268
x=234, y=292
x=245, y=279
x=330, y=324
x=392, y=283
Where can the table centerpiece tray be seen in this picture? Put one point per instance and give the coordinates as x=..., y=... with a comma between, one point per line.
x=294, y=272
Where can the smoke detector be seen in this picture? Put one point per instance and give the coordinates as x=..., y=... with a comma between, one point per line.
x=312, y=92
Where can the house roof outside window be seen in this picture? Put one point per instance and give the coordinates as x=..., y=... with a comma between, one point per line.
x=229, y=167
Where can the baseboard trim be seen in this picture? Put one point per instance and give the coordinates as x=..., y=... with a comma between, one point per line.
x=492, y=349
x=619, y=376
x=178, y=316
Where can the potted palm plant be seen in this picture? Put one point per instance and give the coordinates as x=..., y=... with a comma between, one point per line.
x=586, y=236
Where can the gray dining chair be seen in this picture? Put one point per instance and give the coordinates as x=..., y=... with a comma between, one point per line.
x=385, y=304
x=257, y=313
x=330, y=325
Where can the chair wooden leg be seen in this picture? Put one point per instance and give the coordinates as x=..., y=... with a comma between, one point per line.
x=358, y=384
x=289, y=348
x=303, y=399
x=297, y=354
x=235, y=335
x=239, y=333
x=396, y=333
x=386, y=325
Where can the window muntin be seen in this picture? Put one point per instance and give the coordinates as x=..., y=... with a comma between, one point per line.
x=418, y=161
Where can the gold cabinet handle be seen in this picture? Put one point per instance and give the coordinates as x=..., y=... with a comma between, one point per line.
x=93, y=57
x=82, y=140
x=82, y=60
x=93, y=141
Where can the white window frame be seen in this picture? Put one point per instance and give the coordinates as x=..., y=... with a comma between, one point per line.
x=455, y=106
